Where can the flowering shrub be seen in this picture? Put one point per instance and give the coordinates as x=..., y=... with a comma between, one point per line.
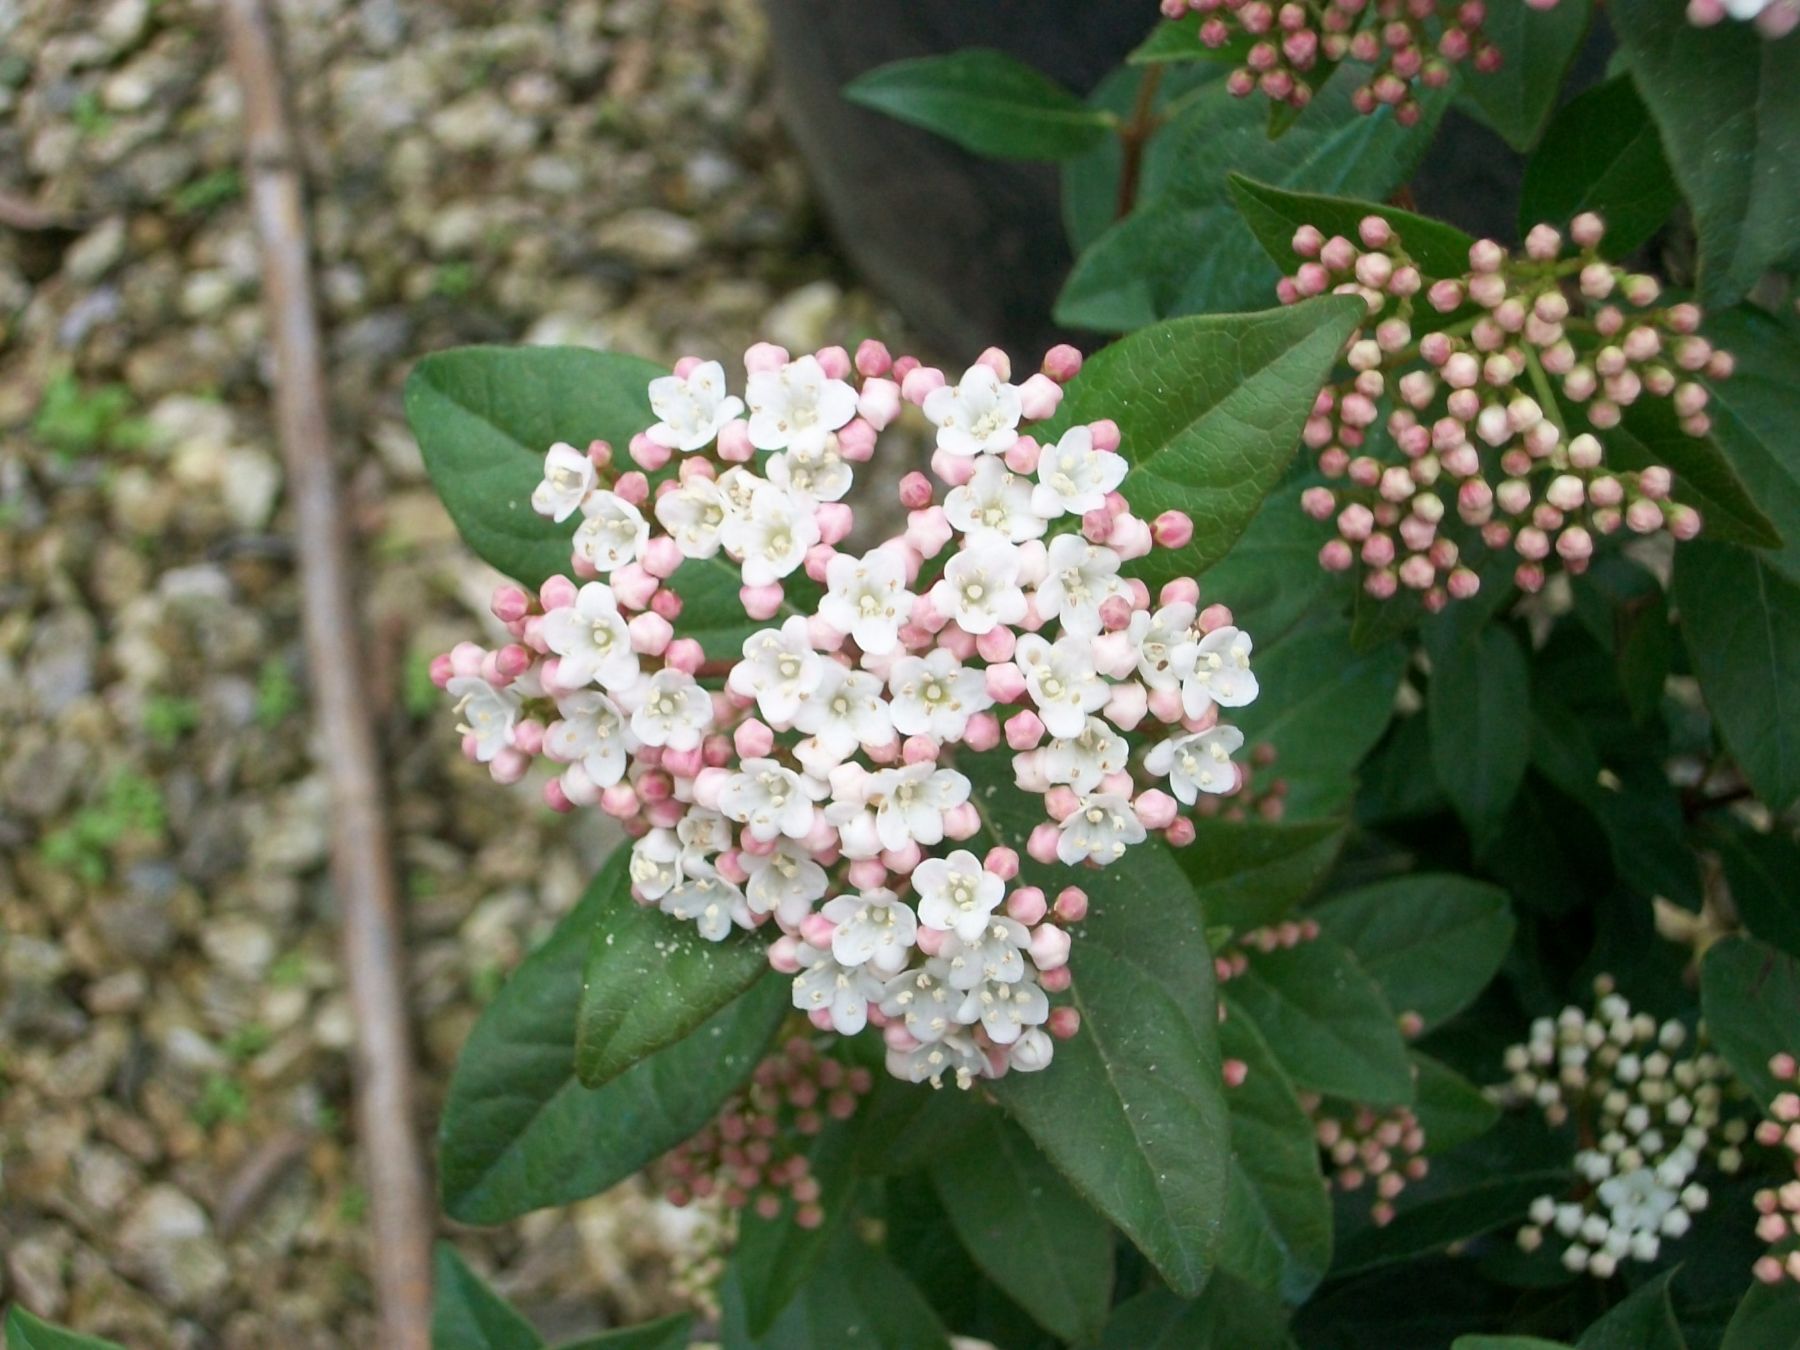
x=1056, y=909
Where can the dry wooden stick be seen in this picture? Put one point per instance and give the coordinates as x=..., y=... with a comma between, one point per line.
x=361, y=856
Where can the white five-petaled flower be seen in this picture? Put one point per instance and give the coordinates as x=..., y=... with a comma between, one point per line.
x=1062, y=682
x=826, y=985
x=911, y=802
x=819, y=475
x=1082, y=761
x=612, y=533
x=978, y=416
x=655, y=864
x=875, y=928
x=711, y=902
x=1216, y=669
x=1157, y=638
x=771, y=535
x=591, y=733
x=769, y=800
x=980, y=587
x=925, y=998
x=693, y=515
x=1099, y=830
x=671, y=711
x=1006, y=1010
x=935, y=695
x=1074, y=477
x=569, y=476
x=784, y=881
x=703, y=834
x=867, y=598
x=996, y=953
x=956, y=894
x=592, y=641
x=488, y=714
x=1079, y=578
x=995, y=501
x=843, y=711
x=693, y=409
x=779, y=669
x=955, y=1054
x=797, y=407
x=1197, y=763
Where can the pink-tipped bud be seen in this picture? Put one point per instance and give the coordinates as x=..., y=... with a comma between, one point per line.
x=1027, y=905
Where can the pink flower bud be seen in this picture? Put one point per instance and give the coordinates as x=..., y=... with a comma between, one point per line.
x=1180, y=834
x=1041, y=843
x=1005, y=682
x=915, y=491
x=1063, y=1023
x=1155, y=809
x=1049, y=945
x=1039, y=397
x=962, y=821
x=1213, y=618
x=879, y=403
x=1172, y=529
x=1027, y=905
x=1024, y=730
x=919, y=382
x=1106, y=434
x=761, y=602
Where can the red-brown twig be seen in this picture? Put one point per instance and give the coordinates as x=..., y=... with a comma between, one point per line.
x=1134, y=137
x=361, y=856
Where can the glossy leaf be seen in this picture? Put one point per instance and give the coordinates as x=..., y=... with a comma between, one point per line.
x=1728, y=107
x=985, y=101
x=1209, y=412
x=1249, y=873
x=1750, y=996
x=1431, y=942
x=1538, y=45
x=1024, y=1226
x=1451, y=1109
x=485, y=416
x=649, y=980
x=1480, y=716
x=1601, y=153
x=1767, y=1319
x=1326, y=1022
x=1704, y=478
x=27, y=1332
x=1278, y=1208
x=1741, y=620
x=519, y=1132
x=1754, y=415
x=1274, y=215
x=1228, y=1316
x=467, y=1315
x=855, y=1297
x=1642, y=1320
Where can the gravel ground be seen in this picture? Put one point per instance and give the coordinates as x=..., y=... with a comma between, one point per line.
x=174, y=1085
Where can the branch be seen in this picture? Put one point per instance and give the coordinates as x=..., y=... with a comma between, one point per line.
x=1134, y=136
x=361, y=856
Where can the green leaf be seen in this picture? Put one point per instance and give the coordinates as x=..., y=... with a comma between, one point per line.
x=1132, y=1110
x=1741, y=619
x=666, y=1333
x=467, y=1315
x=1249, y=873
x=856, y=1300
x=1228, y=1316
x=1601, y=153
x=1431, y=942
x=1451, y=1216
x=1479, y=710
x=519, y=1132
x=485, y=416
x=1750, y=997
x=1186, y=250
x=1704, y=478
x=1755, y=414
x=1760, y=869
x=1271, y=579
x=1643, y=1320
x=1027, y=1230
x=1451, y=1110
x=1538, y=45
x=1278, y=1208
x=1323, y=706
x=1728, y=107
x=1767, y=1319
x=1326, y=1021
x=985, y=101
x=1179, y=40
x=1506, y=1343
x=650, y=980
x=1209, y=412
x=1274, y=215
x=25, y=1332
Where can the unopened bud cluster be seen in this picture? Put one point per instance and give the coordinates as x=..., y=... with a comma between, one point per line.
x=1773, y=18
x=1476, y=409
x=1648, y=1104
x=814, y=779
x=753, y=1155
x=1778, y=1207
x=1408, y=43
x=1366, y=1148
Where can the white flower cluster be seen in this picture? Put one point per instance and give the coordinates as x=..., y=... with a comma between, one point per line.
x=811, y=780
x=1653, y=1116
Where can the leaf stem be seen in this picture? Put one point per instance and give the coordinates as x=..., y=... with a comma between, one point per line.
x=1134, y=136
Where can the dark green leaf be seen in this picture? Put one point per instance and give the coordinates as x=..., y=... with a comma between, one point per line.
x=1602, y=154
x=1274, y=215
x=1767, y=1319
x=1278, y=1209
x=855, y=1300
x=1538, y=45
x=485, y=416
x=1480, y=715
x=519, y=1132
x=666, y=1333
x=985, y=101
x=1761, y=871
x=1326, y=1022
x=1728, y=107
x=1228, y=1316
x=467, y=1315
x=650, y=980
x=1704, y=478
x=1271, y=579
x=1755, y=415
x=1506, y=1343
x=1750, y=996
x=25, y=1332
x=1024, y=1226
x=1642, y=1321
x=1451, y=1216
x=1186, y=250
x=1431, y=942
x=1179, y=40
x=1451, y=1109
x=1249, y=873
x=1741, y=619
x=1209, y=412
